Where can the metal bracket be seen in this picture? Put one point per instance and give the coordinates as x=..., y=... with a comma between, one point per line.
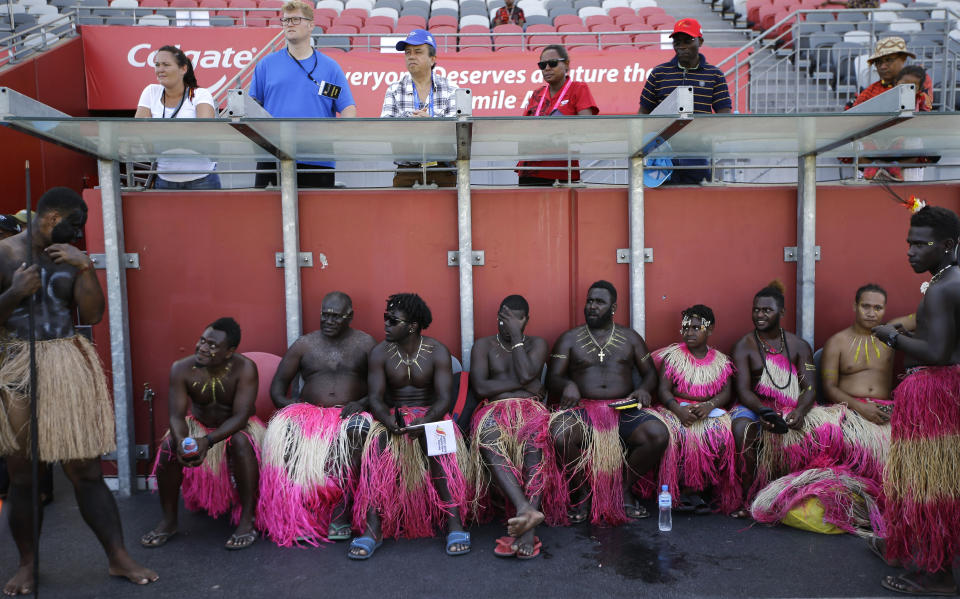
x=241, y=105
x=790, y=254
x=897, y=99
x=453, y=258
x=129, y=261
x=305, y=259
x=142, y=453
x=13, y=103
x=623, y=255
x=680, y=101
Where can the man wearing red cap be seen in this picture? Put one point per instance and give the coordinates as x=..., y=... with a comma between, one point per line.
x=688, y=67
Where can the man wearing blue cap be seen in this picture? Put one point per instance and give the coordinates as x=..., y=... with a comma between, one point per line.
x=300, y=82
x=421, y=93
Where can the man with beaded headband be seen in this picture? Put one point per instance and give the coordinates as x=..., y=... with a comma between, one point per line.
x=218, y=387
x=402, y=492
x=312, y=449
x=603, y=451
x=775, y=386
x=695, y=386
x=922, y=476
x=510, y=443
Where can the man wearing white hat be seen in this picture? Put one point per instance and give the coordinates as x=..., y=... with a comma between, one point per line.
x=421, y=93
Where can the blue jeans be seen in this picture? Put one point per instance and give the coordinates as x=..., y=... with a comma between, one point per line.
x=211, y=181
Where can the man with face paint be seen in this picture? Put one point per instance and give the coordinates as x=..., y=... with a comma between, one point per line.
x=508, y=444
x=402, y=492
x=219, y=387
x=695, y=388
x=421, y=93
x=774, y=375
x=688, y=67
x=591, y=367
x=311, y=452
x=921, y=480
x=75, y=408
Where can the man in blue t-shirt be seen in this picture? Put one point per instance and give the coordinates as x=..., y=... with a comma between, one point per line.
x=299, y=82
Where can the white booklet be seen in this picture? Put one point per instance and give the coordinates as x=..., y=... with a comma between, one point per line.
x=440, y=437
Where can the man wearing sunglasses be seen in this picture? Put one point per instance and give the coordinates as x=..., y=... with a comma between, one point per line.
x=300, y=82
x=403, y=492
x=688, y=67
x=309, y=498
x=421, y=93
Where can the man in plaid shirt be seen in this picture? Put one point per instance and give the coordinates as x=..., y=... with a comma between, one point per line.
x=509, y=14
x=421, y=93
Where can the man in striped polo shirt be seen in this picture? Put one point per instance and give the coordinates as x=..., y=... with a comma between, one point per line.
x=688, y=67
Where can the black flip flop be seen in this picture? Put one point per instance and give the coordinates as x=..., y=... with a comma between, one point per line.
x=912, y=587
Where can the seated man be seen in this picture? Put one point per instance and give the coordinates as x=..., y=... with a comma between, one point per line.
x=402, y=492
x=857, y=371
x=509, y=426
x=312, y=449
x=591, y=367
x=775, y=376
x=220, y=387
x=694, y=391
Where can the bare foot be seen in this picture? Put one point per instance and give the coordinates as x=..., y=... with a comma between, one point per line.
x=523, y=522
x=123, y=565
x=21, y=583
x=527, y=546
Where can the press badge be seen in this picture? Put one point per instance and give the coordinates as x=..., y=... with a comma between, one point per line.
x=328, y=90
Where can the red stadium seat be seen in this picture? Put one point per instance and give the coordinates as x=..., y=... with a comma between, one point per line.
x=342, y=29
x=480, y=28
x=254, y=22
x=357, y=13
x=475, y=42
x=213, y=4
x=634, y=22
x=561, y=20
x=753, y=10
x=405, y=28
x=183, y=4
x=647, y=11
x=598, y=20
x=155, y=3
x=574, y=27
x=321, y=21
x=277, y=4
x=647, y=40
x=508, y=29
x=371, y=43
x=630, y=48
x=381, y=21
x=444, y=20
x=604, y=27
x=657, y=21
x=541, y=29
x=537, y=43
x=617, y=11
x=325, y=13
x=474, y=49
x=510, y=49
x=417, y=21
x=615, y=39
x=349, y=21
x=448, y=42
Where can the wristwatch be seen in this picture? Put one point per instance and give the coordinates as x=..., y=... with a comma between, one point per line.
x=892, y=341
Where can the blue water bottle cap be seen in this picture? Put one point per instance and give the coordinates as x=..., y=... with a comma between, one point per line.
x=663, y=488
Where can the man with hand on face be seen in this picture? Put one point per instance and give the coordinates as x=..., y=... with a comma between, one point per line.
x=508, y=444
x=219, y=386
x=421, y=93
x=591, y=367
x=688, y=67
x=301, y=82
x=922, y=477
x=402, y=491
x=74, y=406
x=311, y=452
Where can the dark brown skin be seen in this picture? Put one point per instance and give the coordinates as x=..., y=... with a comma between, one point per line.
x=331, y=361
x=55, y=271
x=687, y=49
x=556, y=77
x=427, y=382
x=933, y=343
x=508, y=365
x=219, y=387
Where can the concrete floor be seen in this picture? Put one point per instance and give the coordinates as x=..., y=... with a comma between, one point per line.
x=704, y=556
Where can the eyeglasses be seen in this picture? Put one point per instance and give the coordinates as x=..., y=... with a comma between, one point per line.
x=334, y=316
x=552, y=63
x=291, y=20
x=391, y=319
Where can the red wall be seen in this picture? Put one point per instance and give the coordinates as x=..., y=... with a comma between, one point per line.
x=55, y=78
x=207, y=255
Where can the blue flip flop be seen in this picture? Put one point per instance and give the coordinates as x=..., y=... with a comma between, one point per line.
x=367, y=544
x=459, y=537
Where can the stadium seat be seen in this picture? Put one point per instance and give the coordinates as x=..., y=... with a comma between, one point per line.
x=341, y=42
x=382, y=21
x=253, y=22
x=633, y=22
x=475, y=29
x=559, y=12
x=473, y=42
x=538, y=42
x=821, y=16
x=348, y=21
x=442, y=21
x=567, y=20
x=441, y=4
x=503, y=41
x=474, y=20
x=608, y=4
x=857, y=37
x=660, y=22
x=617, y=11
x=358, y=14
x=474, y=8
x=541, y=29
x=647, y=11
x=342, y=30
x=538, y=20
x=404, y=29
x=905, y=26
x=473, y=50
x=369, y=42
x=394, y=4
x=610, y=40
x=638, y=4
x=366, y=5
x=596, y=20
x=590, y=11
x=416, y=21
x=331, y=4
x=154, y=21
x=385, y=12
x=647, y=40
x=445, y=12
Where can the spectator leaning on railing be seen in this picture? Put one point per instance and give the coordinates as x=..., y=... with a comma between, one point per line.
x=300, y=82
x=177, y=96
x=688, y=67
x=421, y=93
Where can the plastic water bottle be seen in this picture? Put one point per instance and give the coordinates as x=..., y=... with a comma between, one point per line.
x=189, y=446
x=666, y=509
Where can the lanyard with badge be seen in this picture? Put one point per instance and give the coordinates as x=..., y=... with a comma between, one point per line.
x=416, y=97
x=556, y=103
x=327, y=90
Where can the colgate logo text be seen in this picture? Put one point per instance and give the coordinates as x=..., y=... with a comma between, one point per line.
x=142, y=55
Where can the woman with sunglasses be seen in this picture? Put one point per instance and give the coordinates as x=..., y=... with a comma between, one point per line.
x=560, y=96
x=177, y=96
